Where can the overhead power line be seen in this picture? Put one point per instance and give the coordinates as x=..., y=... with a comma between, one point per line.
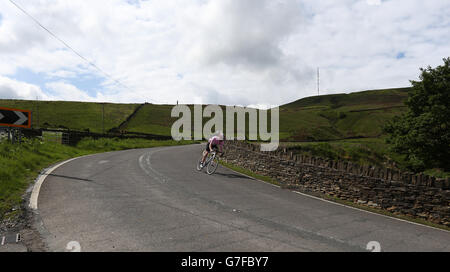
x=66, y=45
x=70, y=48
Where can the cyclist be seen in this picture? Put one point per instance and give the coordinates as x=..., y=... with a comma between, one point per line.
x=212, y=144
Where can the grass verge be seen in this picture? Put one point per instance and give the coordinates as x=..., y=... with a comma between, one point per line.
x=249, y=173
x=22, y=163
x=336, y=199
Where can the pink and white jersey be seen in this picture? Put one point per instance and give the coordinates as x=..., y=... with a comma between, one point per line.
x=215, y=140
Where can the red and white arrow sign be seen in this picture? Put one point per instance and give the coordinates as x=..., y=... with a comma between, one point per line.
x=15, y=118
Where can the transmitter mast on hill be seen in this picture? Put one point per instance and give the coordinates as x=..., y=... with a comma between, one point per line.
x=318, y=82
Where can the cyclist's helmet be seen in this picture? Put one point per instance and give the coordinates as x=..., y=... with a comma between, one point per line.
x=221, y=136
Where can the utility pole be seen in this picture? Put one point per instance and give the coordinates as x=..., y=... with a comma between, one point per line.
x=37, y=111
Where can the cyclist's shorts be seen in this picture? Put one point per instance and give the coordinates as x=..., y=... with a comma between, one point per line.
x=213, y=146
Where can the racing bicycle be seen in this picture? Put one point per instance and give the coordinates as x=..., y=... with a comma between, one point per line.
x=211, y=162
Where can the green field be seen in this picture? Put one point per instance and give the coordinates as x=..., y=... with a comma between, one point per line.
x=327, y=117
x=318, y=118
x=332, y=117
x=153, y=119
x=306, y=122
x=73, y=115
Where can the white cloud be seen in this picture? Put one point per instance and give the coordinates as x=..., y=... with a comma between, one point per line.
x=244, y=33
x=373, y=2
x=65, y=91
x=12, y=89
x=256, y=52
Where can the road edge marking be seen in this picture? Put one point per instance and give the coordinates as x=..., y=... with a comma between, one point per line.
x=40, y=180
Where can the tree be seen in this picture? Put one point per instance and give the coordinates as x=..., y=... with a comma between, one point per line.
x=423, y=132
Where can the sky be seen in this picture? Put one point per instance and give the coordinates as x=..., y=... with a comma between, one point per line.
x=256, y=53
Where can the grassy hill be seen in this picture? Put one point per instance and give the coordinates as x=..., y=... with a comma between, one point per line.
x=154, y=119
x=356, y=100
x=337, y=116
x=318, y=118
x=73, y=115
x=327, y=117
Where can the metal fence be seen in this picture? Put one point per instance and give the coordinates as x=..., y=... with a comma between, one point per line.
x=52, y=136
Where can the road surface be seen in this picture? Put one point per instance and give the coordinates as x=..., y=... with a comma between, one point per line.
x=155, y=200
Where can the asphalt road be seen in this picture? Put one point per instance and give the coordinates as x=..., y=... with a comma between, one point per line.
x=155, y=200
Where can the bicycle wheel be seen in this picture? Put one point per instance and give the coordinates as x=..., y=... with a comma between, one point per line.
x=212, y=166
